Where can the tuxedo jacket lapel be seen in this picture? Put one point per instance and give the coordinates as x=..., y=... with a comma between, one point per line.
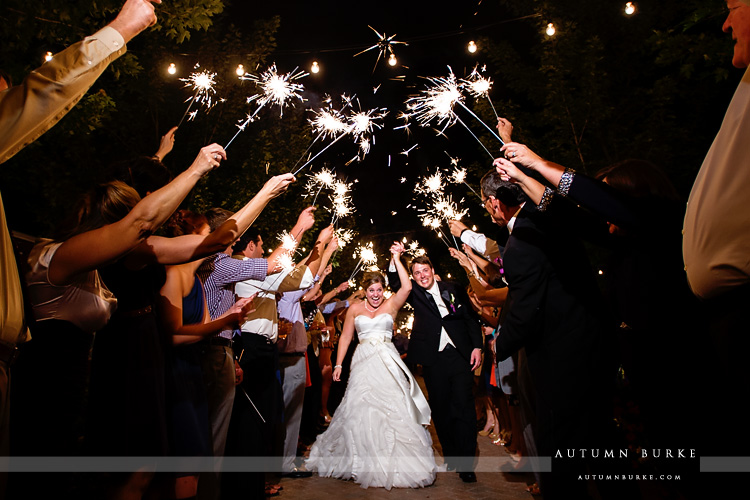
x=428, y=298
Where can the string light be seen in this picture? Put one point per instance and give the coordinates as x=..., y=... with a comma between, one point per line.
x=472, y=47
x=48, y=56
x=629, y=8
x=315, y=68
x=172, y=69
x=240, y=70
x=392, y=59
x=550, y=29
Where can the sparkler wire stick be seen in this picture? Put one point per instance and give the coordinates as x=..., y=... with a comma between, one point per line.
x=253, y=404
x=319, y=153
x=316, y=194
x=307, y=151
x=242, y=126
x=493, y=107
x=459, y=120
x=480, y=121
x=192, y=100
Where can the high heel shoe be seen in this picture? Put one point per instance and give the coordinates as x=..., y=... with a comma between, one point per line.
x=484, y=433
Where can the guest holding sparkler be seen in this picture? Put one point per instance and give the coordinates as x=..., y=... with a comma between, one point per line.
x=219, y=274
x=647, y=291
x=183, y=315
x=254, y=425
x=27, y=111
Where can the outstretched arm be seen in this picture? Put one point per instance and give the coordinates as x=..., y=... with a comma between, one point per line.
x=89, y=250
x=170, y=312
x=190, y=247
x=346, y=338
x=30, y=109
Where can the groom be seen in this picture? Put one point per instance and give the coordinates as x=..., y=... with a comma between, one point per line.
x=446, y=340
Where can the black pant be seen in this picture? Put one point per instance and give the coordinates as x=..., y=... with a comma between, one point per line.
x=248, y=435
x=450, y=382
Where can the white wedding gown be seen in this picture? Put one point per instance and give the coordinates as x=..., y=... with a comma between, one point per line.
x=377, y=436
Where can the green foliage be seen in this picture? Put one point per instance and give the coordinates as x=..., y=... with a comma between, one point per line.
x=608, y=86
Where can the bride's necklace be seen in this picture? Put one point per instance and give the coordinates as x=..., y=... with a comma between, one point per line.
x=371, y=310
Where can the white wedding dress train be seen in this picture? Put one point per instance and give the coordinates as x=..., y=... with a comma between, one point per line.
x=377, y=436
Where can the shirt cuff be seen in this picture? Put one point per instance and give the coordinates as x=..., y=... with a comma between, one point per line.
x=110, y=37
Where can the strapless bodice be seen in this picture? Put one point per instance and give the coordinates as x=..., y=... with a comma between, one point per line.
x=379, y=328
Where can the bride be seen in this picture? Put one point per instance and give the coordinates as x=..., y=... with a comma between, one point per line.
x=377, y=436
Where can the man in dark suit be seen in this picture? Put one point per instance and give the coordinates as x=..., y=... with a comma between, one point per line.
x=552, y=311
x=447, y=341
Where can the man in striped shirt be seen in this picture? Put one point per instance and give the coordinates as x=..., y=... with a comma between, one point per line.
x=219, y=275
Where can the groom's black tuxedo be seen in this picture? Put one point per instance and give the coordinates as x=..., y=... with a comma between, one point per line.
x=447, y=373
x=461, y=324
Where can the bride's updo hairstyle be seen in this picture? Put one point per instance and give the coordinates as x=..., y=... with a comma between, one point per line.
x=372, y=277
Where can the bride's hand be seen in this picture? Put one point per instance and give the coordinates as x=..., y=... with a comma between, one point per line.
x=337, y=373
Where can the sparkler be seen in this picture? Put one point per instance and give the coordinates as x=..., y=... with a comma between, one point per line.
x=414, y=249
x=366, y=257
x=360, y=125
x=384, y=45
x=324, y=178
x=276, y=89
x=203, y=83
x=345, y=236
x=479, y=86
x=458, y=175
x=341, y=201
x=437, y=102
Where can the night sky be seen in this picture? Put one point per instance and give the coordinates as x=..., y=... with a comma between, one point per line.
x=332, y=34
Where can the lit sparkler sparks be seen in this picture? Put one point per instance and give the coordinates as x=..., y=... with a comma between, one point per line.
x=414, y=249
x=479, y=86
x=384, y=46
x=437, y=101
x=345, y=236
x=288, y=242
x=276, y=89
x=367, y=257
x=361, y=126
x=328, y=123
x=202, y=83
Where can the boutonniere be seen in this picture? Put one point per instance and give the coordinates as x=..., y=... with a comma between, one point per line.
x=450, y=300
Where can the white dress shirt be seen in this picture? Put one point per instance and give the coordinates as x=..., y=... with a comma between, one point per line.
x=434, y=290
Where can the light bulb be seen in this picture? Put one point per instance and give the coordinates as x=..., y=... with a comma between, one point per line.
x=392, y=59
x=48, y=56
x=550, y=29
x=629, y=8
x=315, y=67
x=240, y=70
x=472, y=47
x=172, y=69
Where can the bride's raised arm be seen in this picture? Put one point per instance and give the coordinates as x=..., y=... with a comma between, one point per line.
x=346, y=338
x=398, y=299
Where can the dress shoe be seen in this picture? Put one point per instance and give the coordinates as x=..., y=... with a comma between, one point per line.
x=468, y=477
x=297, y=473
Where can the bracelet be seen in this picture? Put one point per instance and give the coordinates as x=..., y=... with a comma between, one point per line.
x=565, y=181
x=337, y=366
x=471, y=274
x=546, y=199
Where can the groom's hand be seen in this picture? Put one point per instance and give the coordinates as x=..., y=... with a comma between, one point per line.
x=476, y=359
